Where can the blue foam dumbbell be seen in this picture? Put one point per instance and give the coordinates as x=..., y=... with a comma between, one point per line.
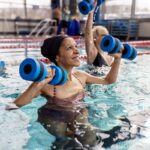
x=33, y=70
x=86, y=6
x=112, y=45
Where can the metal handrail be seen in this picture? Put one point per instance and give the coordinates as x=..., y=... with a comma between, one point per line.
x=43, y=27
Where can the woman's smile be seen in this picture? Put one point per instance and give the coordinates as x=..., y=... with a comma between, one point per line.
x=76, y=58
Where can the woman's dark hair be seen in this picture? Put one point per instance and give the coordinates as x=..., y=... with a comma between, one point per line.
x=50, y=47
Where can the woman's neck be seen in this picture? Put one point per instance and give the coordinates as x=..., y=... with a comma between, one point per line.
x=70, y=75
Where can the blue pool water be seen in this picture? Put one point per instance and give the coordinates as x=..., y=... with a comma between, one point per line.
x=127, y=97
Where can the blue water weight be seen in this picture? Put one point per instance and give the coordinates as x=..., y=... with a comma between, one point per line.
x=33, y=70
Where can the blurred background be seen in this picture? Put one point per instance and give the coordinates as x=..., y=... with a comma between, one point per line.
x=128, y=19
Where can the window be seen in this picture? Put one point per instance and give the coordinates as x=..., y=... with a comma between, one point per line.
x=38, y=3
x=117, y=9
x=11, y=4
x=121, y=9
x=142, y=9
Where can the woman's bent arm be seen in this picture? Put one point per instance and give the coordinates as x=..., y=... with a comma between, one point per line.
x=110, y=78
x=31, y=92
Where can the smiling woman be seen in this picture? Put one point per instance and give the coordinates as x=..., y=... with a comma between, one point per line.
x=65, y=114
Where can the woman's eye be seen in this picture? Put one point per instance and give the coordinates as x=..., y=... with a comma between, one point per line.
x=72, y=47
x=69, y=48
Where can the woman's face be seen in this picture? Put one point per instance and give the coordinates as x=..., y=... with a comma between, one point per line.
x=68, y=53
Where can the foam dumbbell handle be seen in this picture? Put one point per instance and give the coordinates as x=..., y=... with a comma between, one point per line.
x=110, y=44
x=32, y=70
x=86, y=6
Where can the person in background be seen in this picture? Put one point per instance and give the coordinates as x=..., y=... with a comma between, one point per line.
x=65, y=114
x=93, y=36
x=65, y=19
x=56, y=15
x=74, y=25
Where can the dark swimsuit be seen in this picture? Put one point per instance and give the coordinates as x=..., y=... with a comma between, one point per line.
x=99, y=61
x=66, y=110
x=62, y=110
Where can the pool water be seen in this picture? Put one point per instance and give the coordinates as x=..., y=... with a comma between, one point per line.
x=128, y=96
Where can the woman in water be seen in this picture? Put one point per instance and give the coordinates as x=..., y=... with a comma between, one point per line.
x=93, y=36
x=65, y=114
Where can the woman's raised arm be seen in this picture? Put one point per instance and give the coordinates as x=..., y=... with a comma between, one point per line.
x=89, y=41
x=110, y=78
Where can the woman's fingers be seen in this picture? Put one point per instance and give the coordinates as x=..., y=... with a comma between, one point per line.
x=49, y=77
x=116, y=55
x=121, y=49
x=11, y=106
x=119, y=54
x=51, y=73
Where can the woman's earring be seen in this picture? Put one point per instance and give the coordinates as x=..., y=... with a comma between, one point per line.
x=56, y=58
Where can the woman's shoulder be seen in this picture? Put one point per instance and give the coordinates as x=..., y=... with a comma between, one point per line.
x=81, y=74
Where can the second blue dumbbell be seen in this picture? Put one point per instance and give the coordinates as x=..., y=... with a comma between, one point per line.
x=112, y=45
x=86, y=6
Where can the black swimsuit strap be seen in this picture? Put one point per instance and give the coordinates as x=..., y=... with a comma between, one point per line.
x=99, y=61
